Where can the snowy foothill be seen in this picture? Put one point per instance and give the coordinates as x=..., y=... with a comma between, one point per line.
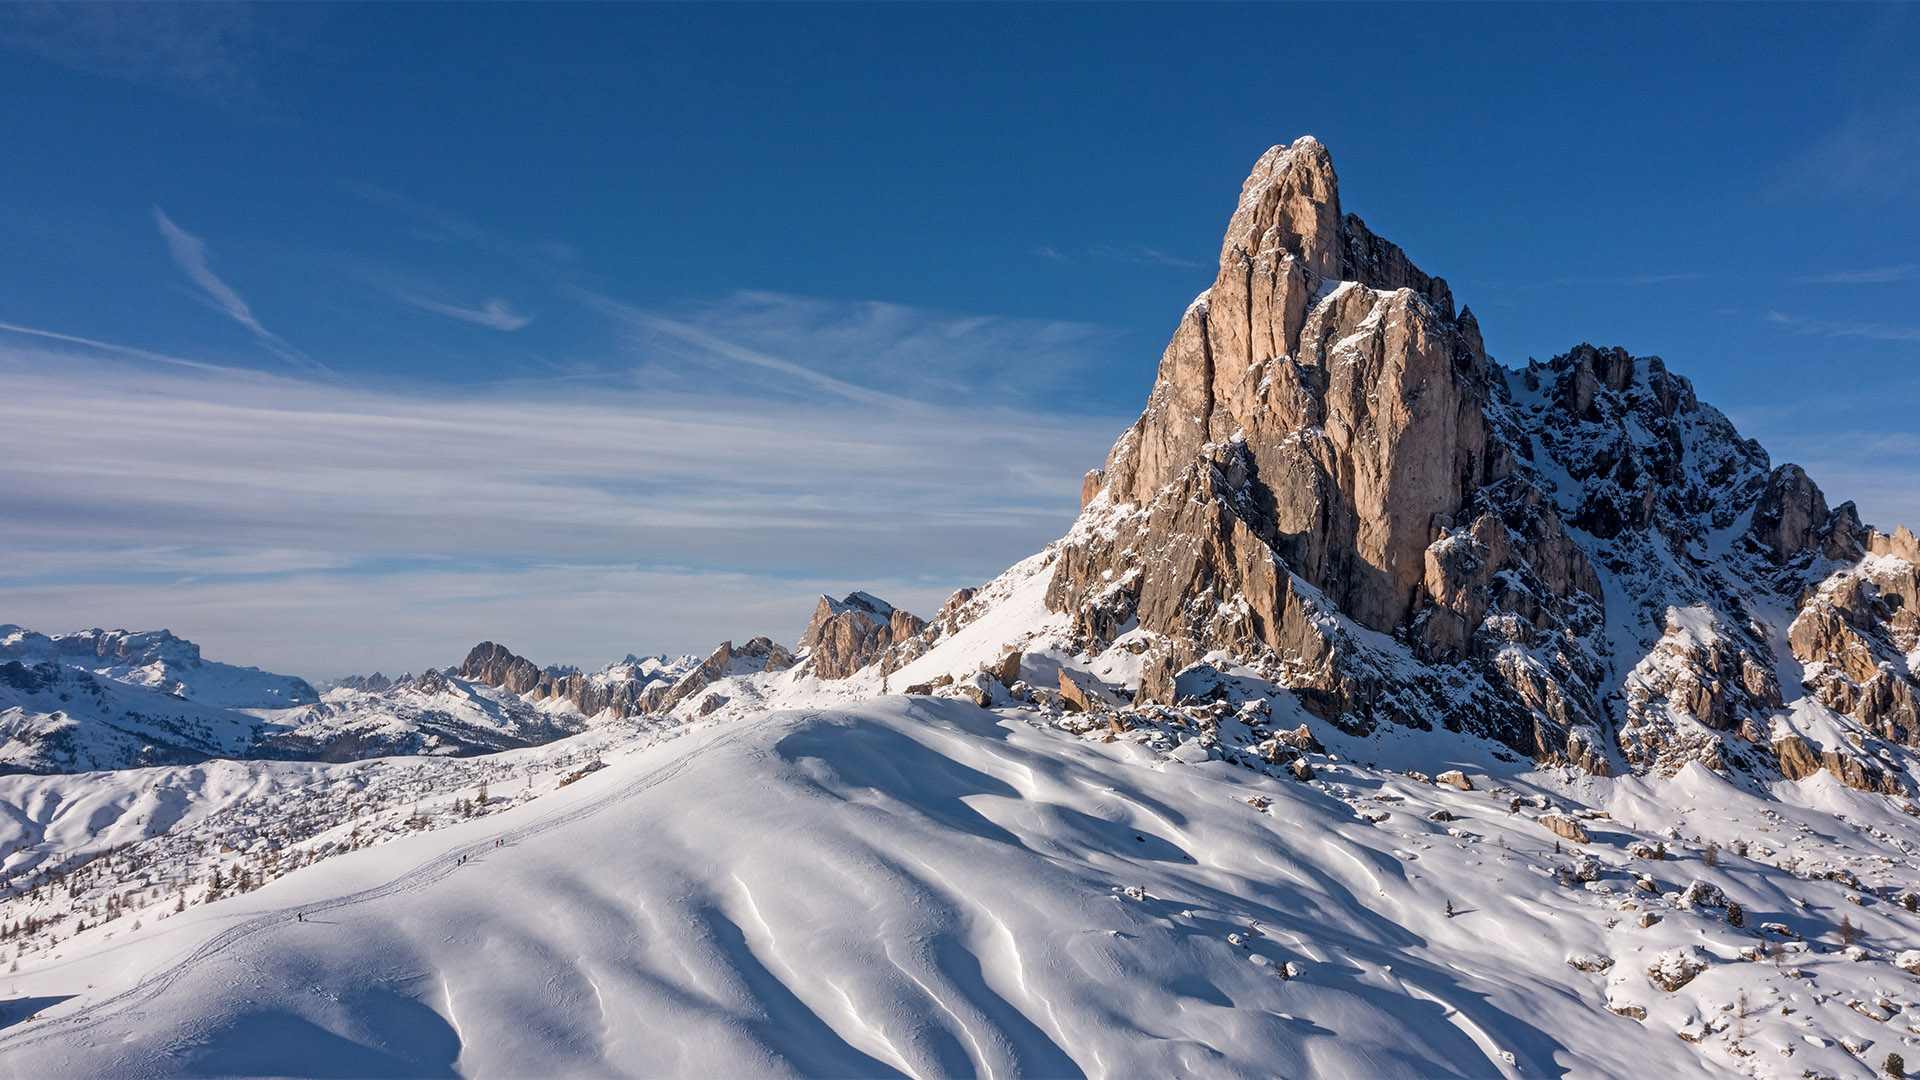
x=915, y=885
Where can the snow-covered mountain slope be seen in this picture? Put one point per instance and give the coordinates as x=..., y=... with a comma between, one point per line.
x=159, y=660
x=57, y=717
x=918, y=886
x=434, y=714
x=114, y=700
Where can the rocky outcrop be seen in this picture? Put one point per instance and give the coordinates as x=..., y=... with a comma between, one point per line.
x=1335, y=485
x=1856, y=637
x=1701, y=681
x=371, y=684
x=760, y=654
x=622, y=691
x=1321, y=420
x=847, y=635
x=1792, y=518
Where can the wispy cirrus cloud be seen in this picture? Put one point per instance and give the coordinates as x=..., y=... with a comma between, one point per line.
x=1140, y=255
x=1876, y=275
x=1875, y=153
x=1871, y=331
x=209, y=51
x=493, y=313
x=323, y=528
x=1130, y=254
x=876, y=353
x=190, y=255
x=1622, y=280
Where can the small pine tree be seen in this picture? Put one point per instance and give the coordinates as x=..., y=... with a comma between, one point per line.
x=1895, y=1067
x=1910, y=902
x=1449, y=909
x=1847, y=932
x=1736, y=916
x=483, y=795
x=1712, y=856
x=1556, y=847
x=1660, y=851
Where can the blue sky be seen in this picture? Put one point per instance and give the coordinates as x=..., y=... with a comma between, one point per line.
x=344, y=337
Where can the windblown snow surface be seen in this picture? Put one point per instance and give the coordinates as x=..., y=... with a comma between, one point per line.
x=919, y=886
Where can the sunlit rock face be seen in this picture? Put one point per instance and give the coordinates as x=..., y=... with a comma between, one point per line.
x=1579, y=559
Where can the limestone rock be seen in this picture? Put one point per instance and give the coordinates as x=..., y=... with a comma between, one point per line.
x=760, y=654
x=1454, y=778
x=1563, y=826
x=496, y=665
x=847, y=635
x=1676, y=967
x=1300, y=739
x=1007, y=668
x=1077, y=694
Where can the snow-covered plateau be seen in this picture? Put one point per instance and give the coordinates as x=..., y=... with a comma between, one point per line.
x=1386, y=712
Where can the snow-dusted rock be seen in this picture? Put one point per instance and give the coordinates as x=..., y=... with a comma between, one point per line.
x=1676, y=967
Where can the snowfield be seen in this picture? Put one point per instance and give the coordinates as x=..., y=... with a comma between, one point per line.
x=918, y=886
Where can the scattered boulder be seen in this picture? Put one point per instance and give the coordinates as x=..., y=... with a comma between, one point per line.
x=1454, y=778
x=1589, y=962
x=930, y=685
x=1676, y=967
x=1300, y=739
x=1565, y=827
x=1083, y=693
x=1007, y=668
x=1703, y=894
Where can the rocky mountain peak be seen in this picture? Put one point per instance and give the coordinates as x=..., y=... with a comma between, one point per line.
x=1333, y=482
x=847, y=635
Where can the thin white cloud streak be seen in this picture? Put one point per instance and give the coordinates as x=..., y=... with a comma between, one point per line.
x=1137, y=255
x=1877, y=275
x=907, y=353
x=178, y=482
x=494, y=313
x=109, y=347
x=1871, y=331
x=190, y=255
x=1628, y=280
x=712, y=343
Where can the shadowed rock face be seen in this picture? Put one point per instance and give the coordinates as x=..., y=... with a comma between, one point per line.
x=1333, y=482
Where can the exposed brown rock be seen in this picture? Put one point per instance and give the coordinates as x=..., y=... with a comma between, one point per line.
x=760, y=654
x=496, y=665
x=1075, y=697
x=1566, y=827
x=1703, y=670
x=1090, y=485
x=1852, y=638
x=847, y=635
x=1300, y=739
x=1306, y=443
x=1454, y=778
x=1007, y=669
x=1797, y=760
